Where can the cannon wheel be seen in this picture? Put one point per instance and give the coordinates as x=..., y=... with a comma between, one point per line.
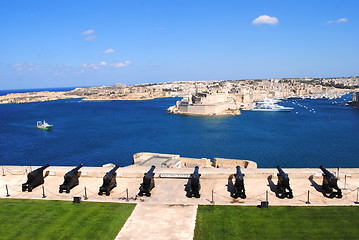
x=140, y=194
x=197, y=195
x=29, y=189
x=148, y=194
x=100, y=193
x=67, y=191
x=290, y=195
x=331, y=195
x=107, y=193
x=23, y=188
x=60, y=191
x=244, y=196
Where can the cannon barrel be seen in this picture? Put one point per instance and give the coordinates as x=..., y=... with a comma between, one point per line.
x=195, y=184
x=150, y=172
x=326, y=172
x=40, y=169
x=113, y=170
x=71, y=179
x=281, y=172
x=72, y=172
x=34, y=178
x=330, y=183
x=109, y=182
x=283, y=184
x=148, y=182
x=195, y=173
x=76, y=168
x=239, y=184
x=239, y=174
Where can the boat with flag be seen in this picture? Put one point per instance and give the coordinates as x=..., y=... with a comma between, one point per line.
x=43, y=125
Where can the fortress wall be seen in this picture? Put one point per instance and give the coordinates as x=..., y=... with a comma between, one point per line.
x=232, y=163
x=192, y=162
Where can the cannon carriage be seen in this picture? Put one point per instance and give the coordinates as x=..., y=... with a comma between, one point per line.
x=195, y=184
x=283, y=184
x=239, y=190
x=330, y=183
x=34, y=178
x=148, y=183
x=109, y=182
x=71, y=179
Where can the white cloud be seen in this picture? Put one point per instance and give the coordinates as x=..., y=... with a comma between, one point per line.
x=88, y=32
x=96, y=66
x=25, y=66
x=120, y=64
x=265, y=19
x=107, y=51
x=90, y=38
x=342, y=20
x=338, y=21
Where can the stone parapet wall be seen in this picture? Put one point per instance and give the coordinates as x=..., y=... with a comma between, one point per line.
x=193, y=162
x=232, y=163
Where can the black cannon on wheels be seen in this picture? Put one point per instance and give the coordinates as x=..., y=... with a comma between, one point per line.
x=330, y=183
x=195, y=184
x=71, y=179
x=34, y=178
x=283, y=184
x=239, y=190
x=109, y=182
x=148, y=183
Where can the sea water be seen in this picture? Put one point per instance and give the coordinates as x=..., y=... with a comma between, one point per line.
x=316, y=132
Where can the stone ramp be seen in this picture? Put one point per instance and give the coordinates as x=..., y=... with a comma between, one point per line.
x=160, y=221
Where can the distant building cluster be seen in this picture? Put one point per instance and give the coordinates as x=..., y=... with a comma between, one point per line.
x=205, y=96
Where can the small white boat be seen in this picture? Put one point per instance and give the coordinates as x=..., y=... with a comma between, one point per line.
x=43, y=125
x=270, y=105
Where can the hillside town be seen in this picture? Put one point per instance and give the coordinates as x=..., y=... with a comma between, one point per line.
x=219, y=97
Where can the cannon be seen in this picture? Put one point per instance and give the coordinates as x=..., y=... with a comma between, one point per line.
x=330, y=183
x=195, y=184
x=283, y=184
x=34, y=178
x=71, y=179
x=239, y=184
x=148, y=183
x=109, y=182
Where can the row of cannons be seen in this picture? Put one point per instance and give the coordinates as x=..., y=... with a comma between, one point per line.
x=71, y=179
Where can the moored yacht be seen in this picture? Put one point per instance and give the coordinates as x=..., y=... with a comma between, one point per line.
x=270, y=105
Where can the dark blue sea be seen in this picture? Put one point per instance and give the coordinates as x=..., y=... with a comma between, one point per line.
x=96, y=133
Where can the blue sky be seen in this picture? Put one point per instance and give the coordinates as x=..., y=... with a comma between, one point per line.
x=91, y=43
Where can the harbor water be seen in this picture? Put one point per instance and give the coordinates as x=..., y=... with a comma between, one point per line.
x=317, y=132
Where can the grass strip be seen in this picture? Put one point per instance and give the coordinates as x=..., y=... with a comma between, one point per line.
x=39, y=219
x=276, y=222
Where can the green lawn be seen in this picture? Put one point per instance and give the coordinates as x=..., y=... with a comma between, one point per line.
x=38, y=219
x=247, y=222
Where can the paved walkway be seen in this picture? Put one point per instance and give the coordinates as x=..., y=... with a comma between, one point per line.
x=160, y=221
